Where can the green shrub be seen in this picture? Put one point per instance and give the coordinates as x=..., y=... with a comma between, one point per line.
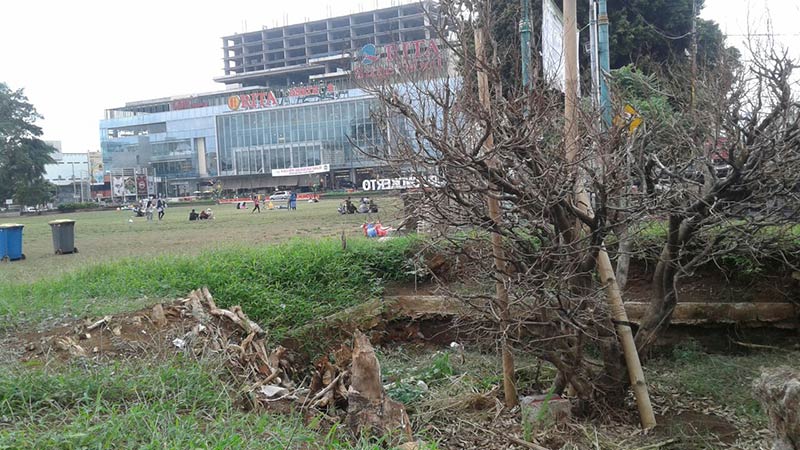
x=68, y=207
x=407, y=388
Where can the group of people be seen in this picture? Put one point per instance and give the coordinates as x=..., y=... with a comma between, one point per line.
x=365, y=206
x=150, y=205
x=291, y=203
x=203, y=215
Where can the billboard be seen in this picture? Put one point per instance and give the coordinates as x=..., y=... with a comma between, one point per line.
x=553, y=44
x=118, y=186
x=141, y=185
x=129, y=185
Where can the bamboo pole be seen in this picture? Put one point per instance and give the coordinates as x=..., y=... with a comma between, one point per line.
x=501, y=269
x=604, y=267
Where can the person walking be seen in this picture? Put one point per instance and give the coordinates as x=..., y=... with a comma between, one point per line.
x=161, y=205
x=293, y=200
x=256, y=205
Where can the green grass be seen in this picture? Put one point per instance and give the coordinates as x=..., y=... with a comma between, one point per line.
x=280, y=286
x=107, y=236
x=177, y=404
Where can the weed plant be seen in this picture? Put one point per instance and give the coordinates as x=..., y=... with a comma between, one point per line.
x=175, y=404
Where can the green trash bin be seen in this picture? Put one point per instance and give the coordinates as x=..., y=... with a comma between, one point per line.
x=63, y=236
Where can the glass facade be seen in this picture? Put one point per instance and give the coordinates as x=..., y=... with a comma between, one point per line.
x=167, y=143
x=336, y=132
x=246, y=140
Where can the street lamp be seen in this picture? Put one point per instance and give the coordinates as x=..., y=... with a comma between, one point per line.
x=72, y=163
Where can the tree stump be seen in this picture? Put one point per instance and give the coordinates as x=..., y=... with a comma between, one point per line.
x=778, y=391
x=370, y=411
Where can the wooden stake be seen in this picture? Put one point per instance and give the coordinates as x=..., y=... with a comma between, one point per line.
x=501, y=270
x=604, y=268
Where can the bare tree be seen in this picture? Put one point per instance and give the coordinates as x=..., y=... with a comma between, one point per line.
x=724, y=174
x=434, y=123
x=439, y=126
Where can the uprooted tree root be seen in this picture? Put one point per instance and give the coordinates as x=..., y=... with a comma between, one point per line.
x=348, y=390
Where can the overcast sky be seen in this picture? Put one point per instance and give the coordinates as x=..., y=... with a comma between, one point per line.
x=75, y=59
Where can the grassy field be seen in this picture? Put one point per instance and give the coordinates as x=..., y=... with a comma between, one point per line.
x=108, y=236
x=285, y=269
x=278, y=260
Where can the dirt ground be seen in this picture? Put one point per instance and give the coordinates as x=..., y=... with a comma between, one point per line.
x=712, y=286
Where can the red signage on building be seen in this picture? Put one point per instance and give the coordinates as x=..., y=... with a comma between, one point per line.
x=404, y=58
x=293, y=95
x=304, y=91
x=187, y=103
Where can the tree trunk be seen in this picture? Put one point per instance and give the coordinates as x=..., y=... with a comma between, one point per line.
x=369, y=410
x=664, y=295
x=623, y=255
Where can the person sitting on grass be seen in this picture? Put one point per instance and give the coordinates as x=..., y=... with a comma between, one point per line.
x=193, y=215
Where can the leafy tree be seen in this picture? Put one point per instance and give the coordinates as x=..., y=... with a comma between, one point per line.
x=22, y=154
x=37, y=192
x=642, y=32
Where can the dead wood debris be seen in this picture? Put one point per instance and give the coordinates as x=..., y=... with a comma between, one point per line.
x=348, y=389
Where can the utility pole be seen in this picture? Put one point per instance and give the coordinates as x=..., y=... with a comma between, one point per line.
x=501, y=269
x=604, y=61
x=89, y=176
x=694, y=52
x=604, y=268
x=74, y=194
x=525, y=42
x=593, y=56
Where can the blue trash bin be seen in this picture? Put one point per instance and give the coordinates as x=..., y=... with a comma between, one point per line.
x=3, y=244
x=12, y=239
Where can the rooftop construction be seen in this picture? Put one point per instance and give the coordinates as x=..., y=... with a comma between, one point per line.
x=318, y=50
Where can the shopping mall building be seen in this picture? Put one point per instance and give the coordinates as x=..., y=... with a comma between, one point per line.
x=291, y=114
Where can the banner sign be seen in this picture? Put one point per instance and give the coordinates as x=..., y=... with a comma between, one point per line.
x=129, y=186
x=308, y=170
x=141, y=185
x=385, y=184
x=117, y=187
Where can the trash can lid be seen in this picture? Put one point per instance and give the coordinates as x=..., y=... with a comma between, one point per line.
x=11, y=225
x=60, y=221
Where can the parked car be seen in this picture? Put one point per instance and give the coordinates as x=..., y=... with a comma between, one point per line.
x=278, y=196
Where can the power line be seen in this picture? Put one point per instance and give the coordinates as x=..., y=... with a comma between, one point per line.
x=763, y=34
x=663, y=34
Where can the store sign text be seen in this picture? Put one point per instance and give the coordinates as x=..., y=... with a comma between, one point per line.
x=187, y=104
x=291, y=96
x=385, y=184
x=403, y=58
x=307, y=170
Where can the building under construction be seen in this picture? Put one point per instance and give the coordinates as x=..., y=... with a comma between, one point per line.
x=291, y=114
